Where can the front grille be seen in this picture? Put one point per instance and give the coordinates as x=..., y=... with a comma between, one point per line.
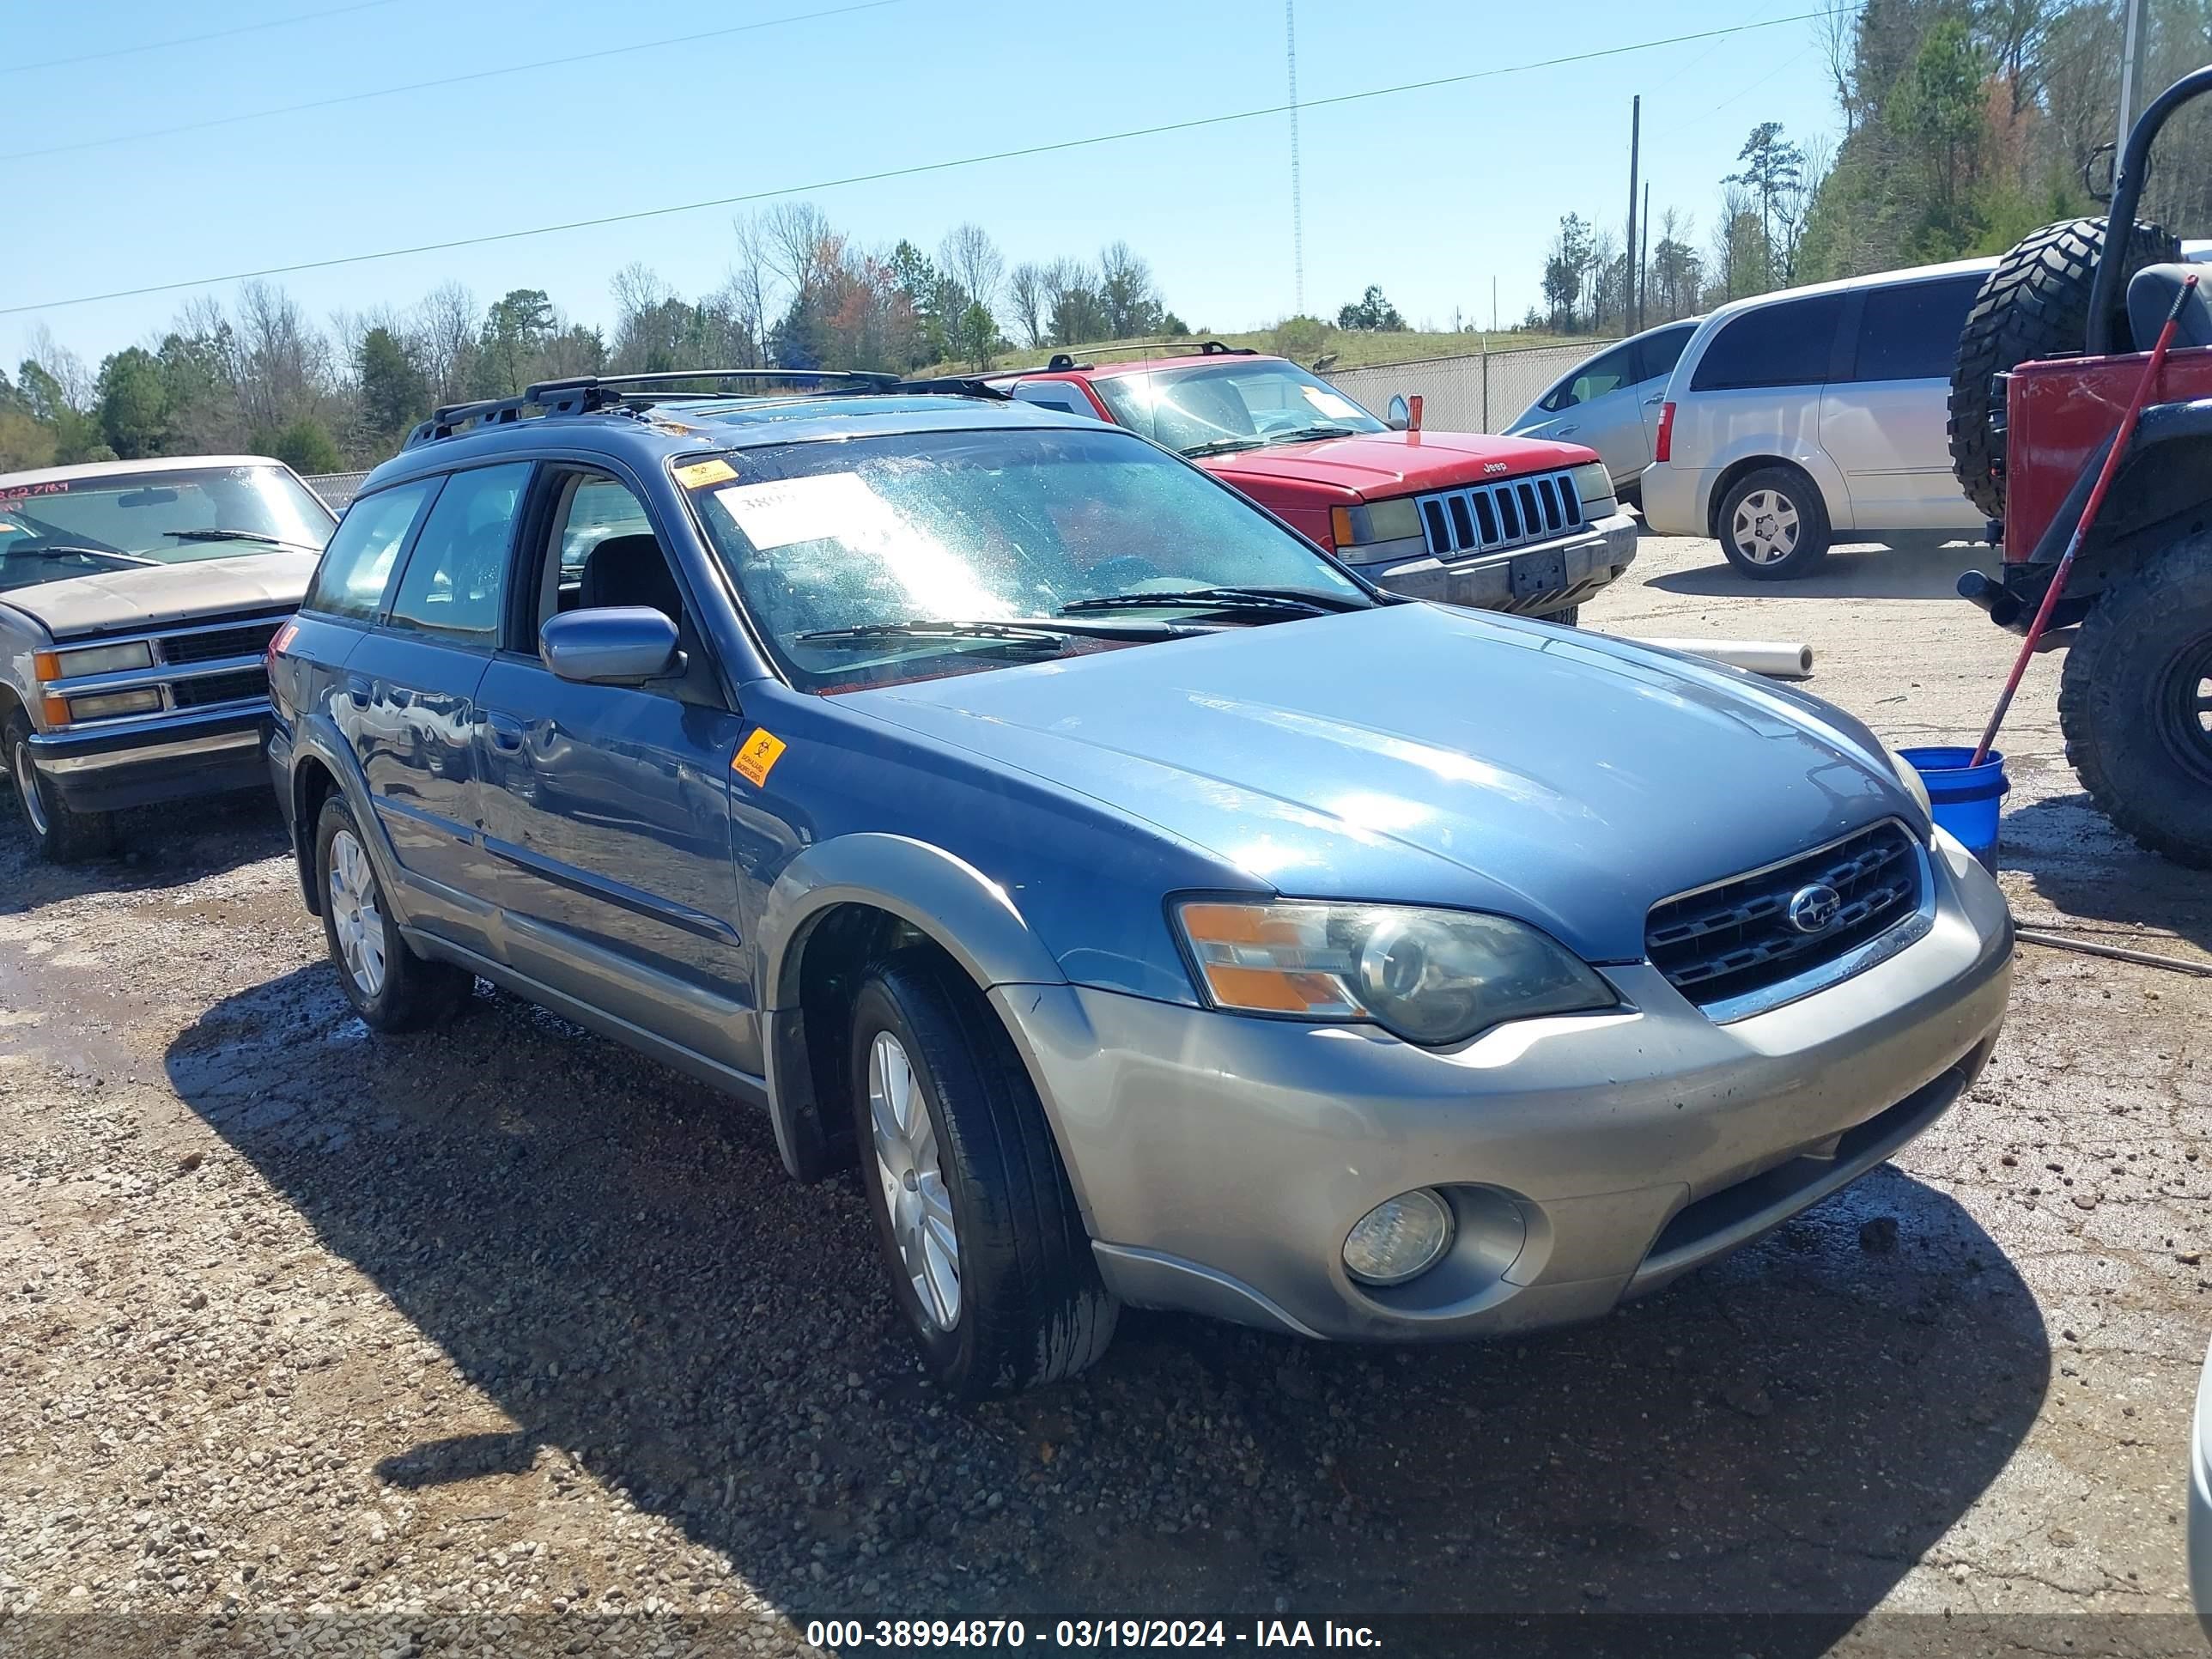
x=1489, y=517
x=206, y=644
x=246, y=683
x=1737, y=939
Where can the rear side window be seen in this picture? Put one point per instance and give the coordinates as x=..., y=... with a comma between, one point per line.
x=1910, y=331
x=1657, y=354
x=1602, y=374
x=357, y=563
x=458, y=572
x=1786, y=343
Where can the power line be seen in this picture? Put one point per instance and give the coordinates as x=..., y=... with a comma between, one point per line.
x=191, y=39
x=915, y=170
x=446, y=81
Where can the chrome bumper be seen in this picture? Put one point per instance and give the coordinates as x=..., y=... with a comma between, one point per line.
x=137, y=763
x=1531, y=581
x=1220, y=1161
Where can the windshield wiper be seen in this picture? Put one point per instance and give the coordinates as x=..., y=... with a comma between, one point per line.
x=1272, y=601
x=1222, y=446
x=1309, y=433
x=77, y=550
x=238, y=536
x=1023, y=631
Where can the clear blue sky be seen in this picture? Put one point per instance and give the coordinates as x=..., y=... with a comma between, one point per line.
x=1429, y=193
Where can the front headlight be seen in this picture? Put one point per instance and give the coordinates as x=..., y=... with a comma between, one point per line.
x=1593, y=484
x=1430, y=977
x=1397, y=520
x=93, y=659
x=1915, y=785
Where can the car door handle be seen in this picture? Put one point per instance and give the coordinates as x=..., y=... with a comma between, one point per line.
x=358, y=688
x=1656, y=398
x=1563, y=430
x=506, y=734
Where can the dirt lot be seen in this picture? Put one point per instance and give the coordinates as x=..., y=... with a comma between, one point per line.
x=397, y=1343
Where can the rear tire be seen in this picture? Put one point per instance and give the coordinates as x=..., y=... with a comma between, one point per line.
x=2034, y=305
x=62, y=835
x=1773, y=525
x=2135, y=704
x=989, y=1259
x=391, y=987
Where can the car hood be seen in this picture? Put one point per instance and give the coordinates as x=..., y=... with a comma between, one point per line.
x=1416, y=754
x=112, y=601
x=1381, y=463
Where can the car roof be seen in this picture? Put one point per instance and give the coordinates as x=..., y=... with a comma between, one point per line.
x=1847, y=284
x=129, y=469
x=1171, y=357
x=647, y=433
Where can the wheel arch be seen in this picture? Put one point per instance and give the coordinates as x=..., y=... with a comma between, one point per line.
x=833, y=908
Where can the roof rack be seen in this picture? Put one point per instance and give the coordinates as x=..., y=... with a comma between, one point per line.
x=584, y=394
x=1060, y=360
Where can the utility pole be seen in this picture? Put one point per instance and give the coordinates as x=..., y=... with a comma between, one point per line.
x=1628, y=256
x=1298, y=211
x=2131, y=51
x=1644, y=260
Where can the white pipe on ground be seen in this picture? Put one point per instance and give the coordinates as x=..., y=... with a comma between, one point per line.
x=1775, y=658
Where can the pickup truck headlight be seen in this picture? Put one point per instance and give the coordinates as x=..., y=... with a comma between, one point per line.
x=93, y=659
x=1430, y=977
x=1593, y=484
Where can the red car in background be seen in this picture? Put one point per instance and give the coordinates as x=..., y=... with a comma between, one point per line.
x=1520, y=525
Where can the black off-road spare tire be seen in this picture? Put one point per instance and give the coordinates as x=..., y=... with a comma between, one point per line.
x=2034, y=305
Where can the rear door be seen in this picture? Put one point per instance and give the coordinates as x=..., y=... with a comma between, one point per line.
x=1598, y=406
x=411, y=688
x=608, y=806
x=1657, y=354
x=1883, y=411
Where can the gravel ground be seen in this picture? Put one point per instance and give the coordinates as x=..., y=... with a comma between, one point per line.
x=502, y=1336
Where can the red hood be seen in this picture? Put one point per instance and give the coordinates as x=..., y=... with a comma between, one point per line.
x=1380, y=463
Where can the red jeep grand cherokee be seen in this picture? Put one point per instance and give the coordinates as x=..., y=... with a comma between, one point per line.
x=1503, y=524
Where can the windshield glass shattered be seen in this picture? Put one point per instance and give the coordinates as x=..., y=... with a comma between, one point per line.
x=878, y=559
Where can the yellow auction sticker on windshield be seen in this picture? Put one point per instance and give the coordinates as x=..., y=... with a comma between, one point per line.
x=700, y=474
x=757, y=756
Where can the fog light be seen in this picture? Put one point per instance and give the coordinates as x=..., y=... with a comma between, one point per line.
x=107, y=705
x=1399, y=1239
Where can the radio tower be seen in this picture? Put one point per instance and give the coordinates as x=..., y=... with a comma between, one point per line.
x=1297, y=217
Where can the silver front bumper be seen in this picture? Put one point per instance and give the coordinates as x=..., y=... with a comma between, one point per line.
x=1530, y=580
x=1220, y=1160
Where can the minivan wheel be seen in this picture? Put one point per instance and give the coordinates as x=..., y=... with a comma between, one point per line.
x=391, y=987
x=1773, y=525
x=62, y=836
x=990, y=1263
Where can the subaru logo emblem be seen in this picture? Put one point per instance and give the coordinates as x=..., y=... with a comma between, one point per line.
x=1812, y=908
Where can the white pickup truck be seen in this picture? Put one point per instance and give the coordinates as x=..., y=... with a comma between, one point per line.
x=137, y=599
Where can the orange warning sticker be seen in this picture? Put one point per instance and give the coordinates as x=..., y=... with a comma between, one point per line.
x=702, y=473
x=757, y=756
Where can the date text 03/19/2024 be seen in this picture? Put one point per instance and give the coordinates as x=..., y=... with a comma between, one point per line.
x=849, y=1635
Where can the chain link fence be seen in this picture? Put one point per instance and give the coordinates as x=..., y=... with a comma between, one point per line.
x=336, y=488
x=1482, y=393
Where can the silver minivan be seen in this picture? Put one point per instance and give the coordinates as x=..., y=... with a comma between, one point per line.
x=1611, y=402
x=1796, y=415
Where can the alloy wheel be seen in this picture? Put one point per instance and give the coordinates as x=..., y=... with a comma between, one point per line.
x=915, y=1197
x=355, y=913
x=1766, y=527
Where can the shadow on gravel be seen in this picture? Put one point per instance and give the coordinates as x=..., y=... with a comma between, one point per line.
x=615, y=1257
x=156, y=847
x=1920, y=568
x=2099, y=883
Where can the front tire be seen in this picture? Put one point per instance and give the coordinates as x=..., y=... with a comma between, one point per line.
x=61, y=835
x=990, y=1263
x=2135, y=704
x=391, y=987
x=1773, y=525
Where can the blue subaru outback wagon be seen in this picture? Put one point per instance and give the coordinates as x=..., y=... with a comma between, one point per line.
x=1152, y=912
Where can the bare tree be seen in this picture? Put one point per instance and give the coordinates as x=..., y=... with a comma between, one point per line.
x=1025, y=292
x=1836, y=31
x=284, y=355
x=67, y=368
x=971, y=258
x=750, y=284
x=445, y=339
x=798, y=237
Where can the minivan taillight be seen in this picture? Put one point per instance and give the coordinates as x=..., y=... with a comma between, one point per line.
x=1664, y=448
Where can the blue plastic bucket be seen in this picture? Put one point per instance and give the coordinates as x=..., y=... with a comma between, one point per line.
x=1965, y=797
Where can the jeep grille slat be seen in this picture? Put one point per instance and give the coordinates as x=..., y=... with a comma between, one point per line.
x=1489, y=518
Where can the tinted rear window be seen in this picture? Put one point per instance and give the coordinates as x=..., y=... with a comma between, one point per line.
x=1657, y=354
x=1910, y=331
x=356, y=565
x=1787, y=343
